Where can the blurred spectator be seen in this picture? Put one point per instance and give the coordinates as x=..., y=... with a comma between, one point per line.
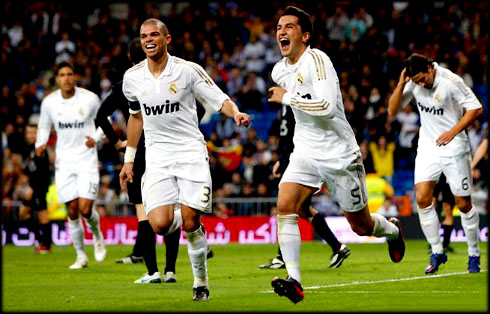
x=382, y=153
x=65, y=48
x=409, y=127
x=378, y=190
x=254, y=53
x=388, y=208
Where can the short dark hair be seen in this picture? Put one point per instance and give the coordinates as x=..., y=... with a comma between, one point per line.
x=136, y=53
x=304, y=19
x=163, y=27
x=416, y=64
x=64, y=64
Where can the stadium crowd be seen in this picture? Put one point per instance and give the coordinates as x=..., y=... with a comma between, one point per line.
x=235, y=43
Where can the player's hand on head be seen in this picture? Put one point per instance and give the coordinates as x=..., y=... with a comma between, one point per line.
x=242, y=119
x=403, y=77
x=276, y=94
x=90, y=142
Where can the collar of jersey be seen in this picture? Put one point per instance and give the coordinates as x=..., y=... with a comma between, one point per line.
x=437, y=78
x=297, y=64
x=166, y=71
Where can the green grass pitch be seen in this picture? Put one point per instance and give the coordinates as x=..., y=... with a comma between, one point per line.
x=367, y=281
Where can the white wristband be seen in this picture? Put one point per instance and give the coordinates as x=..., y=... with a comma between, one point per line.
x=130, y=154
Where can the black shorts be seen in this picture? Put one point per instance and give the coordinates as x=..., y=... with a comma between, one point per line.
x=38, y=202
x=443, y=187
x=134, y=188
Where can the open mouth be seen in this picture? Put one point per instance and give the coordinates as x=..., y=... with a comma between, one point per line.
x=284, y=43
x=151, y=47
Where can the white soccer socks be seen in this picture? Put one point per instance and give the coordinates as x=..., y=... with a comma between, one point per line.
x=94, y=225
x=177, y=222
x=290, y=242
x=76, y=234
x=471, y=222
x=429, y=222
x=384, y=228
x=197, y=248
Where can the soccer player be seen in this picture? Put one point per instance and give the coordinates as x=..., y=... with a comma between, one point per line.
x=144, y=247
x=38, y=171
x=308, y=212
x=447, y=107
x=72, y=111
x=162, y=91
x=325, y=149
x=444, y=206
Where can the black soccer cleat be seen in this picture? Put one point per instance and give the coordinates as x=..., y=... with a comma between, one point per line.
x=275, y=263
x=289, y=288
x=339, y=256
x=209, y=253
x=396, y=247
x=200, y=293
x=130, y=259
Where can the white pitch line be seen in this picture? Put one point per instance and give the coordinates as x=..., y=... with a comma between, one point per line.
x=354, y=283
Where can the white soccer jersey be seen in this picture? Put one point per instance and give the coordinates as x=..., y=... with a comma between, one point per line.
x=168, y=107
x=441, y=108
x=313, y=92
x=73, y=120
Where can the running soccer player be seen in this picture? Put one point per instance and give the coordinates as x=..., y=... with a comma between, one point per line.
x=447, y=107
x=72, y=111
x=325, y=149
x=162, y=91
x=339, y=251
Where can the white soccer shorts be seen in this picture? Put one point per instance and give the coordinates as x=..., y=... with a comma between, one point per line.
x=72, y=184
x=184, y=182
x=345, y=178
x=428, y=167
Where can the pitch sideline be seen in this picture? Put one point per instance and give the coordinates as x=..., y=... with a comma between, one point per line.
x=354, y=283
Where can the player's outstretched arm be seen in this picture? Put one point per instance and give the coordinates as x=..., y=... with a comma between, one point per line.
x=230, y=109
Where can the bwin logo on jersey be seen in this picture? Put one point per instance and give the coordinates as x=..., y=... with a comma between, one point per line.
x=433, y=110
x=71, y=125
x=167, y=107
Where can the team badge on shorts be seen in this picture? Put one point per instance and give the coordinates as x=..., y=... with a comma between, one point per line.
x=173, y=88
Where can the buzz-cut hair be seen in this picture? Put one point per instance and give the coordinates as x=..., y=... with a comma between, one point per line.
x=135, y=51
x=304, y=19
x=416, y=64
x=154, y=21
x=63, y=64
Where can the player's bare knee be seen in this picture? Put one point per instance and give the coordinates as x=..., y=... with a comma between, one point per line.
x=423, y=201
x=362, y=229
x=464, y=206
x=285, y=208
x=160, y=225
x=191, y=225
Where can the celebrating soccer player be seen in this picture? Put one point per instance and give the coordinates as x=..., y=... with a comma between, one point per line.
x=325, y=149
x=162, y=91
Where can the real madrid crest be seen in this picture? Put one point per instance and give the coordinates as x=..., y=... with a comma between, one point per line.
x=80, y=111
x=437, y=97
x=300, y=78
x=173, y=88
x=144, y=93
